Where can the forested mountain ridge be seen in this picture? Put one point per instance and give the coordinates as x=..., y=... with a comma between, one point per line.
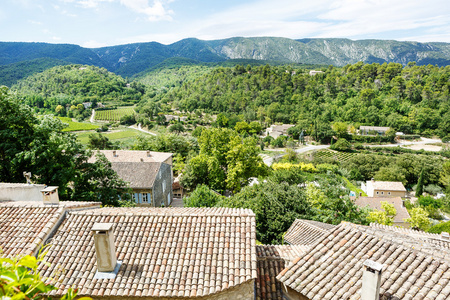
x=74, y=84
x=129, y=60
x=411, y=99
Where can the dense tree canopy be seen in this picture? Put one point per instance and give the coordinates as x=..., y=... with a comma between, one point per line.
x=411, y=99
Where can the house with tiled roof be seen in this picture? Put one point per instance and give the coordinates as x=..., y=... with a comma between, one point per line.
x=306, y=232
x=386, y=262
x=148, y=174
x=159, y=253
x=375, y=203
x=26, y=225
x=278, y=130
x=384, y=188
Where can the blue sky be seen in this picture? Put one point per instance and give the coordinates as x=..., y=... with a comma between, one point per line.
x=97, y=23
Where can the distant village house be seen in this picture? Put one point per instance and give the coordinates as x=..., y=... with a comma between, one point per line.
x=278, y=130
x=373, y=130
x=148, y=173
x=384, y=188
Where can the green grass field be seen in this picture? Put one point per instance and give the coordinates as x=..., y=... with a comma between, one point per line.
x=124, y=136
x=113, y=115
x=340, y=156
x=77, y=126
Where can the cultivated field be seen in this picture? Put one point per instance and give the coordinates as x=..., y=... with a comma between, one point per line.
x=113, y=115
x=340, y=156
x=76, y=126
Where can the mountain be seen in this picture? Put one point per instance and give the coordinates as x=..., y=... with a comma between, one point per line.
x=131, y=59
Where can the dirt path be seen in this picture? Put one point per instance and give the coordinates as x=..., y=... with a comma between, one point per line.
x=141, y=129
x=92, y=116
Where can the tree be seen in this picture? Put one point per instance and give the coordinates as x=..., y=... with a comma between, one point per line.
x=20, y=279
x=202, y=196
x=177, y=128
x=242, y=127
x=419, y=188
x=97, y=181
x=341, y=129
x=419, y=219
x=99, y=142
x=276, y=206
x=341, y=145
x=226, y=160
x=255, y=127
x=384, y=216
x=391, y=173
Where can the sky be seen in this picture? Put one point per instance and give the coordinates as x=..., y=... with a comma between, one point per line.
x=99, y=23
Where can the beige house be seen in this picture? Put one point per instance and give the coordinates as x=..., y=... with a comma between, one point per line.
x=375, y=203
x=384, y=188
x=373, y=130
x=277, y=130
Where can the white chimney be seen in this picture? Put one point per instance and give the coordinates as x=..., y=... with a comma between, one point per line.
x=105, y=249
x=50, y=195
x=371, y=280
x=445, y=235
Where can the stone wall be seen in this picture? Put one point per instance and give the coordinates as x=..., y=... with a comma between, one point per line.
x=162, y=187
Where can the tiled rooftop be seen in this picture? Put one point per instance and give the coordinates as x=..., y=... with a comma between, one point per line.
x=165, y=252
x=26, y=225
x=333, y=267
x=132, y=156
x=137, y=174
x=271, y=260
x=375, y=203
x=387, y=185
x=306, y=232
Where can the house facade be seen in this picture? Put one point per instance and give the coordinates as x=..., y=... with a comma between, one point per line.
x=148, y=174
x=384, y=188
x=373, y=130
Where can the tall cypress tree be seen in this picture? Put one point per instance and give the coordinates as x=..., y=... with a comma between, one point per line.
x=419, y=188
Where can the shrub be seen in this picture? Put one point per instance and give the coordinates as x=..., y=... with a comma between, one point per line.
x=341, y=145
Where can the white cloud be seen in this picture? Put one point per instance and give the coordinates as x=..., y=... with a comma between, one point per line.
x=155, y=12
x=33, y=22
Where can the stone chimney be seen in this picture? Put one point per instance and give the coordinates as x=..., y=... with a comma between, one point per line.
x=148, y=153
x=50, y=195
x=105, y=249
x=114, y=153
x=371, y=280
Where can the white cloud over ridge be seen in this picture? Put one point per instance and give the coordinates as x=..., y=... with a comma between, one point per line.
x=154, y=12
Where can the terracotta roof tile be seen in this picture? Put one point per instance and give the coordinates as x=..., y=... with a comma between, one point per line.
x=409, y=271
x=271, y=260
x=24, y=226
x=306, y=232
x=133, y=156
x=165, y=252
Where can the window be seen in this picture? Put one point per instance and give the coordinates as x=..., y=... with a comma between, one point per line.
x=377, y=193
x=389, y=193
x=144, y=198
x=382, y=193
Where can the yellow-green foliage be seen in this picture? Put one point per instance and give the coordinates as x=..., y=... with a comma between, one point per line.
x=289, y=166
x=76, y=126
x=384, y=216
